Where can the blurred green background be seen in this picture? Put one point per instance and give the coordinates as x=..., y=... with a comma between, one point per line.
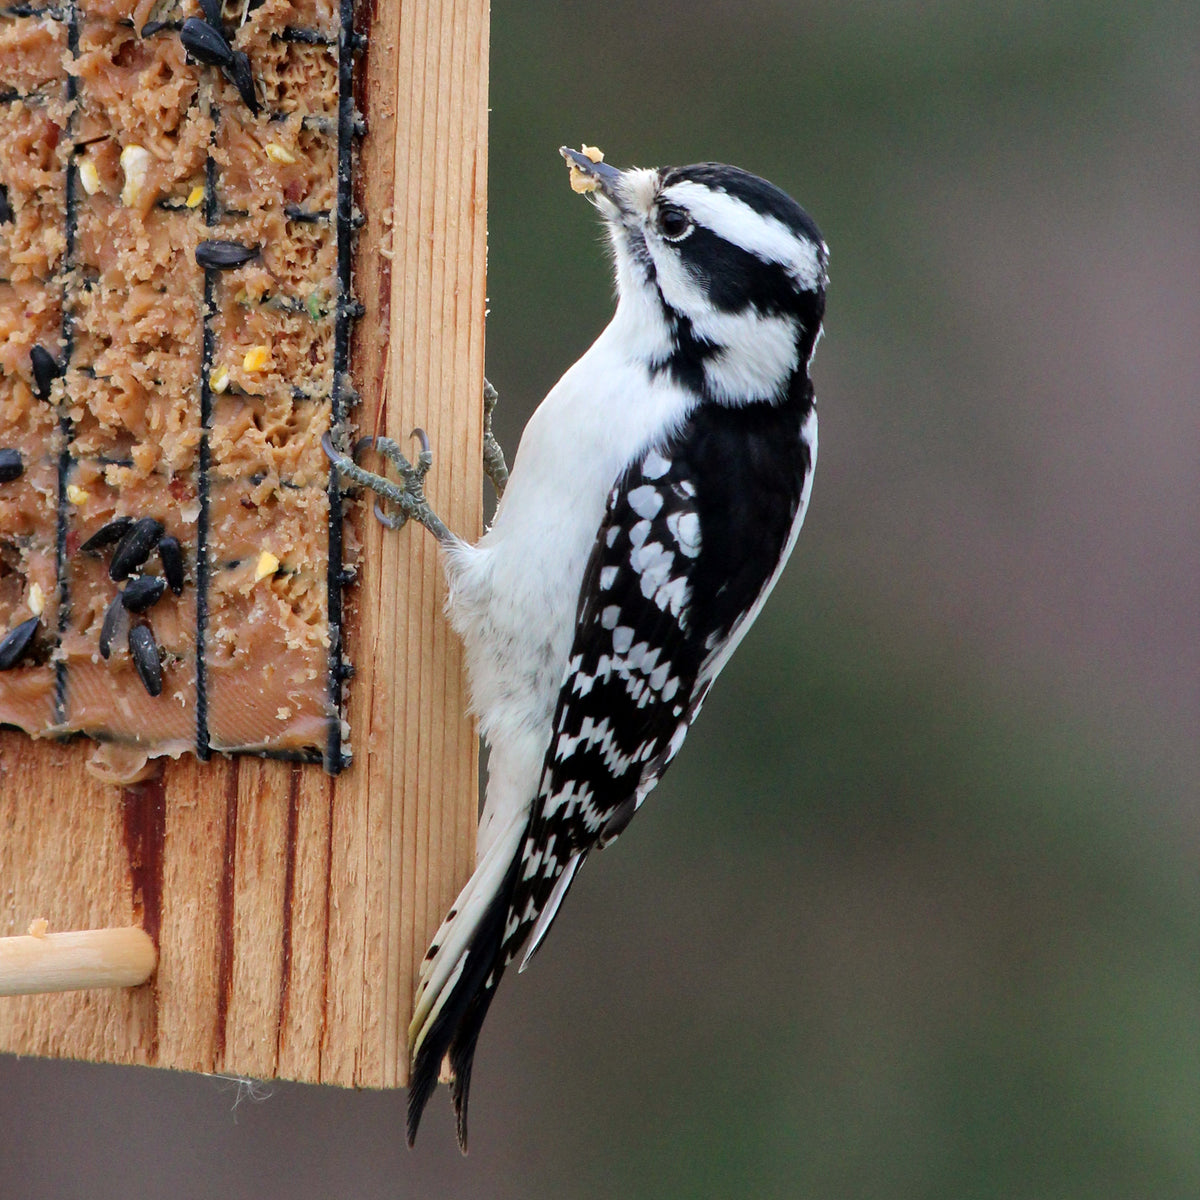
x=915, y=915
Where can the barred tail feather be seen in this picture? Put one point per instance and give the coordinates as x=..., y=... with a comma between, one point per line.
x=464, y=916
x=523, y=896
x=505, y=901
x=459, y=979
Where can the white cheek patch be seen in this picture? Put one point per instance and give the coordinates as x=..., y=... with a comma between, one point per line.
x=764, y=236
x=758, y=354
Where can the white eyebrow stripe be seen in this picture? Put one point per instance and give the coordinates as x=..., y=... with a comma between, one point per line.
x=764, y=236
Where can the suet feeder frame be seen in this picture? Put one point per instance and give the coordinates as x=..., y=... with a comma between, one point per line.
x=277, y=913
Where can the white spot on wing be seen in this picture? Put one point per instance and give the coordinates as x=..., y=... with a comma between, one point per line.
x=674, y=595
x=685, y=529
x=639, y=533
x=653, y=563
x=583, y=684
x=654, y=466
x=645, y=500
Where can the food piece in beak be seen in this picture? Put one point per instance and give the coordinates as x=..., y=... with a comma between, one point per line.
x=588, y=170
x=582, y=180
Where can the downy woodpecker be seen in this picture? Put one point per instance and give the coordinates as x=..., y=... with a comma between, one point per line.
x=655, y=497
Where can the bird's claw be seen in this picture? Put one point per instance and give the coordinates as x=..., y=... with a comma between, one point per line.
x=408, y=495
x=494, y=465
x=388, y=522
x=426, y=455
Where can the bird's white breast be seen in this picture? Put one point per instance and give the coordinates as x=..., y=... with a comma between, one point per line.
x=513, y=595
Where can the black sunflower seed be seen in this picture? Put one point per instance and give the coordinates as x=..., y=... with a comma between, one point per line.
x=6, y=212
x=135, y=548
x=224, y=256
x=143, y=649
x=11, y=465
x=172, y=563
x=141, y=593
x=16, y=643
x=205, y=43
x=106, y=535
x=115, y=625
x=242, y=78
x=45, y=371
x=212, y=12
x=305, y=216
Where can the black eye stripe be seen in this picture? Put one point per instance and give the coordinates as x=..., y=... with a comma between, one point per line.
x=733, y=277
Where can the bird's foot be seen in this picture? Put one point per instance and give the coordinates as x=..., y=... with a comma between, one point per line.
x=408, y=495
x=494, y=466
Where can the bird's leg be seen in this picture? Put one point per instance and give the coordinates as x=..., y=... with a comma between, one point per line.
x=408, y=495
x=494, y=466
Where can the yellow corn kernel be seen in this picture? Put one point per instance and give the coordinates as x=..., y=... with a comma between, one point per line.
x=279, y=154
x=257, y=358
x=194, y=197
x=89, y=176
x=38, y=927
x=37, y=599
x=77, y=495
x=268, y=564
x=218, y=381
x=135, y=162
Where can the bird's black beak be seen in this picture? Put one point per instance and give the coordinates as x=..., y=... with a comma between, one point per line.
x=605, y=177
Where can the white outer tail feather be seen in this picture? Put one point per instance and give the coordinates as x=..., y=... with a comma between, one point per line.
x=453, y=939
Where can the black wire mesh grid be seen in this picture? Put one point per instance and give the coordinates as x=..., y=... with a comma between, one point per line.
x=346, y=43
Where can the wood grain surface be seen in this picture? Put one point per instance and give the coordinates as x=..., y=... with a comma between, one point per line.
x=291, y=909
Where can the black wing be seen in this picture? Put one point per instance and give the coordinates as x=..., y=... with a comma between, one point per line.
x=693, y=532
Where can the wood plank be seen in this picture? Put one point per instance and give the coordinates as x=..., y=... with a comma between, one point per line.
x=291, y=909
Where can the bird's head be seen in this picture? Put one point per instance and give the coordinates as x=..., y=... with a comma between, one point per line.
x=721, y=275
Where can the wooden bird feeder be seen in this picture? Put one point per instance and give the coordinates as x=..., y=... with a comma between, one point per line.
x=266, y=918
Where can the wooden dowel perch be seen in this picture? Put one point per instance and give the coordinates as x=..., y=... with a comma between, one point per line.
x=67, y=962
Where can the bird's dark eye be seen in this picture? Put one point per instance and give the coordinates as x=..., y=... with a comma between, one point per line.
x=674, y=224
